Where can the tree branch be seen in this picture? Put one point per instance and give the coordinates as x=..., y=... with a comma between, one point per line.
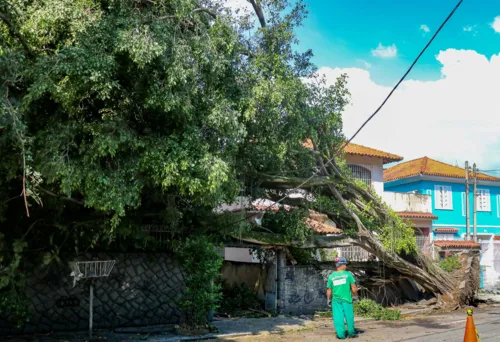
x=64, y=198
x=199, y=9
x=258, y=11
x=315, y=241
x=283, y=182
x=206, y=10
x=16, y=34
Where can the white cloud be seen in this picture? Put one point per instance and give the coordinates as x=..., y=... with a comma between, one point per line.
x=496, y=24
x=385, y=51
x=367, y=65
x=452, y=119
x=468, y=28
x=425, y=28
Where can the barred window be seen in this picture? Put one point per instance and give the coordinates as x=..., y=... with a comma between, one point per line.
x=361, y=173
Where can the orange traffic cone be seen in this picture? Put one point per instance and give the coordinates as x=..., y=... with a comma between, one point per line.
x=470, y=329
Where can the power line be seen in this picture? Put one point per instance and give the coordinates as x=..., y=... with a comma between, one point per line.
x=336, y=153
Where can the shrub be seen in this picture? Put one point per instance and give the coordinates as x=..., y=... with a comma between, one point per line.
x=238, y=297
x=370, y=309
x=450, y=263
x=202, y=263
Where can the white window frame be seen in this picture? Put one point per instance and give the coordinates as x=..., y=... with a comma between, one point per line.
x=445, y=236
x=439, y=202
x=498, y=205
x=483, y=200
x=463, y=204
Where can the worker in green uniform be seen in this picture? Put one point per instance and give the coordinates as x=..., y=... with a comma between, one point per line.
x=341, y=288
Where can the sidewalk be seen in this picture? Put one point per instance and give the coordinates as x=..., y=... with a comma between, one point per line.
x=230, y=327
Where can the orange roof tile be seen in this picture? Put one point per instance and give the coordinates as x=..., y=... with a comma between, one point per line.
x=496, y=238
x=456, y=244
x=360, y=150
x=429, y=167
x=418, y=215
x=322, y=228
x=446, y=230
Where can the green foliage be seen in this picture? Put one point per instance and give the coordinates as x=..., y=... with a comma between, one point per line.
x=450, y=263
x=303, y=256
x=290, y=224
x=370, y=309
x=395, y=234
x=13, y=302
x=201, y=262
x=238, y=297
x=328, y=255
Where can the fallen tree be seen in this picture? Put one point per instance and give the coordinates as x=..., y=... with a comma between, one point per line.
x=118, y=115
x=374, y=227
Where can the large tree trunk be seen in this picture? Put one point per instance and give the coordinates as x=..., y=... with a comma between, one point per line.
x=421, y=269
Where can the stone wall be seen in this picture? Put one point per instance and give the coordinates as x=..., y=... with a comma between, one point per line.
x=142, y=289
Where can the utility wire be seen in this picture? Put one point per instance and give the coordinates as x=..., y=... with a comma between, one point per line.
x=374, y=113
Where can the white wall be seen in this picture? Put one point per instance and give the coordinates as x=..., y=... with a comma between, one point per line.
x=404, y=201
x=240, y=255
x=375, y=165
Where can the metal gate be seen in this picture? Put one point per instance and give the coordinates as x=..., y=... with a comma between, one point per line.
x=490, y=264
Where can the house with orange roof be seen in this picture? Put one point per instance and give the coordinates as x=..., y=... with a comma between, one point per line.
x=366, y=163
x=446, y=185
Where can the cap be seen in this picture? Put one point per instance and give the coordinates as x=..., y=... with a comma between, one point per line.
x=340, y=261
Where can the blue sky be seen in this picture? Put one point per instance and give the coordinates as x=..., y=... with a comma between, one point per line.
x=342, y=33
x=448, y=109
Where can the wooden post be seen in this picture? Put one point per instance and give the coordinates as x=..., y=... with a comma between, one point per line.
x=474, y=174
x=467, y=210
x=91, y=302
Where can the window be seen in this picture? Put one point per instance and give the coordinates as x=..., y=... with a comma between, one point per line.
x=483, y=200
x=443, y=197
x=444, y=237
x=361, y=173
x=498, y=205
x=463, y=204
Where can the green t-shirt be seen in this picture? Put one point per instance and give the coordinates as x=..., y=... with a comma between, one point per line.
x=340, y=283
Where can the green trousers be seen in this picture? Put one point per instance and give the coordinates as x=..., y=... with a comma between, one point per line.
x=343, y=313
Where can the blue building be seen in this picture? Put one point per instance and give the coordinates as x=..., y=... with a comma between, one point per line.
x=446, y=185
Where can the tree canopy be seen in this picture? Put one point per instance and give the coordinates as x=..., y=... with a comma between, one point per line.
x=120, y=113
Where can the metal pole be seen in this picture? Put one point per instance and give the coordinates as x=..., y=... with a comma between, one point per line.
x=91, y=302
x=467, y=210
x=474, y=174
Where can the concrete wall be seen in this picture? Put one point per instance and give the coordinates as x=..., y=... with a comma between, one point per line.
x=240, y=255
x=400, y=201
x=252, y=275
x=375, y=165
x=304, y=287
x=142, y=289
x=304, y=290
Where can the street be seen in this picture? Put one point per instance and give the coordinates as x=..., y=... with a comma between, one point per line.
x=435, y=328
